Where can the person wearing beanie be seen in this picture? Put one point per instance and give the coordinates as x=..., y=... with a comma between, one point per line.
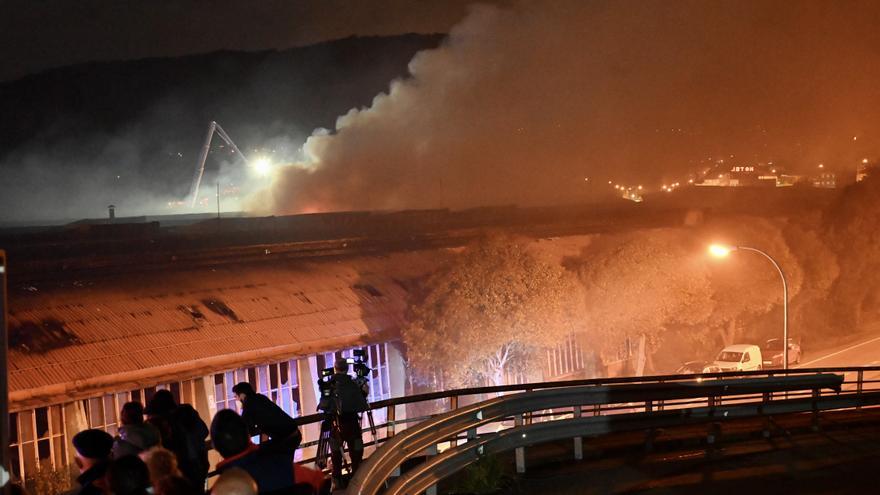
x=92, y=448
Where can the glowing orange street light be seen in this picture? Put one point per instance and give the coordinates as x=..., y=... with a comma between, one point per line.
x=722, y=250
x=719, y=250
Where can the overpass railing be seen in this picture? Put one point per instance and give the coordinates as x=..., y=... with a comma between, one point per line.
x=659, y=397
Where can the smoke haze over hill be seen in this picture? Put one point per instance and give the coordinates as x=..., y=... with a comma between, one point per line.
x=77, y=139
x=520, y=105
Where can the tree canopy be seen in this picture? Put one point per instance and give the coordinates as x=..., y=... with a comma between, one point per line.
x=745, y=284
x=491, y=307
x=853, y=229
x=639, y=284
x=651, y=282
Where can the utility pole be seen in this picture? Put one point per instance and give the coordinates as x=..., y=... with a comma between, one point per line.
x=218, y=200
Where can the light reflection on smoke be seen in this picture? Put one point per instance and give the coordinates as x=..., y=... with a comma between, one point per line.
x=520, y=104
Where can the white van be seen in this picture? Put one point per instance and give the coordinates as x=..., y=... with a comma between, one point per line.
x=740, y=357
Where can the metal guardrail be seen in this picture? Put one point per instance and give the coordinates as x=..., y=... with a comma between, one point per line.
x=856, y=378
x=859, y=383
x=372, y=476
x=438, y=467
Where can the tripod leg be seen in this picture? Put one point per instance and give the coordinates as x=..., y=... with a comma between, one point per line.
x=372, y=427
x=323, y=451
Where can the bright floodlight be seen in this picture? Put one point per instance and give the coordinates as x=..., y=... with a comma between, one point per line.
x=720, y=250
x=262, y=166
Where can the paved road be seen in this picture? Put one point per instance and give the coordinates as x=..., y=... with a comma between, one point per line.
x=865, y=352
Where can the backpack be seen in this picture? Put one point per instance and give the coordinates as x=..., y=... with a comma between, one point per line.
x=349, y=396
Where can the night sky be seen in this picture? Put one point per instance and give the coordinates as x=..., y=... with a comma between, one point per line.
x=35, y=35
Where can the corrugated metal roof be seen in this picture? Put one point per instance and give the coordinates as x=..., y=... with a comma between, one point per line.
x=161, y=319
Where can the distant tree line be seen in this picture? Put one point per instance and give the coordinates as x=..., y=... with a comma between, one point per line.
x=499, y=302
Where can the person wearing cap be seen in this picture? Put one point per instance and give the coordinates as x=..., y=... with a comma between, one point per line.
x=135, y=436
x=92, y=448
x=263, y=416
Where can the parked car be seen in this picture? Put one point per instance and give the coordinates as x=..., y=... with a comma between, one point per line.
x=772, y=352
x=740, y=357
x=697, y=367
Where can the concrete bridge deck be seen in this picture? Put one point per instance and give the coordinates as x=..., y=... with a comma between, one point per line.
x=842, y=457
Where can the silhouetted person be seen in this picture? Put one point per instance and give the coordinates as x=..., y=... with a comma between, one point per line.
x=347, y=401
x=134, y=436
x=183, y=432
x=128, y=475
x=262, y=416
x=92, y=457
x=271, y=469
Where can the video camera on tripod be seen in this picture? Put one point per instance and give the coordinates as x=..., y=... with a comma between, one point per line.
x=343, y=396
x=362, y=371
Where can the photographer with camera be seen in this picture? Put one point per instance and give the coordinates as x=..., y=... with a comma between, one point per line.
x=343, y=398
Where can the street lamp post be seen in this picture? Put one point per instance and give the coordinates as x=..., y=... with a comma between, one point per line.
x=721, y=251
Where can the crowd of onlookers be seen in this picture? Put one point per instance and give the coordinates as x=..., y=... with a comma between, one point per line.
x=162, y=449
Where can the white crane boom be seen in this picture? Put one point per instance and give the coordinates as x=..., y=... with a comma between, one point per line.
x=203, y=157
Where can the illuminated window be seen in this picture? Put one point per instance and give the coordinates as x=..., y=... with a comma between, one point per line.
x=36, y=439
x=277, y=381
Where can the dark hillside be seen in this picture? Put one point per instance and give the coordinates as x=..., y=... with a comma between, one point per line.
x=307, y=86
x=75, y=139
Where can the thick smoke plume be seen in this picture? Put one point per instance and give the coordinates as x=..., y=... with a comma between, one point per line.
x=522, y=104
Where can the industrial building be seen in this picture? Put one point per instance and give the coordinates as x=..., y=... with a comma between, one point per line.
x=81, y=348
